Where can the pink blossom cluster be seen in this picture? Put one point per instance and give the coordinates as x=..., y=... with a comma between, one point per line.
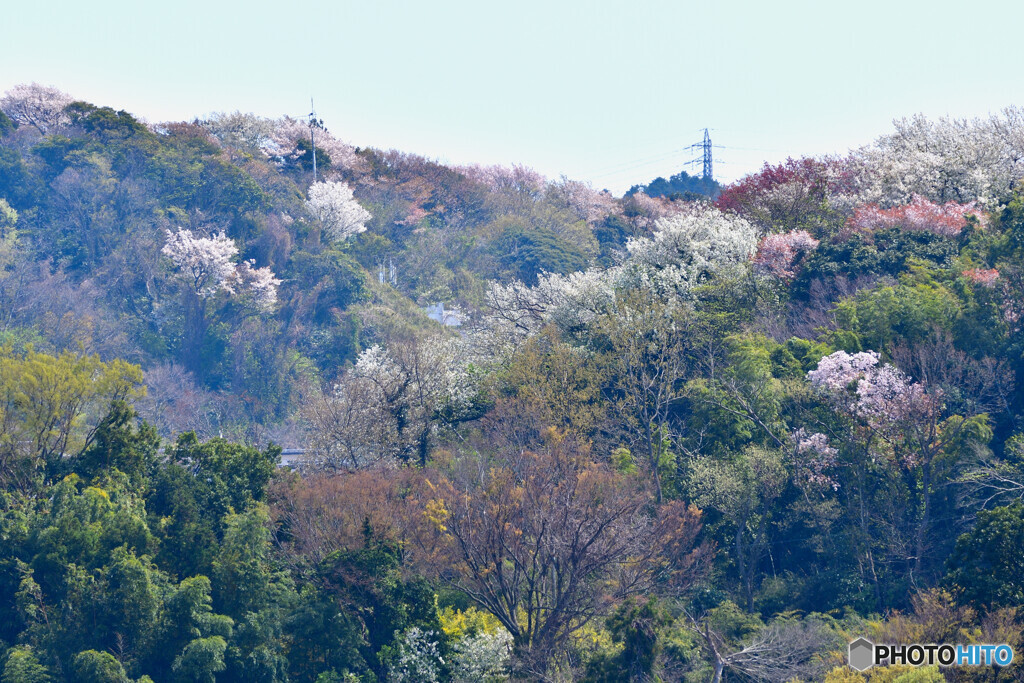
x=643, y=212
x=983, y=277
x=415, y=215
x=518, y=179
x=885, y=395
x=946, y=220
x=836, y=371
x=814, y=457
x=778, y=252
x=879, y=393
x=589, y=204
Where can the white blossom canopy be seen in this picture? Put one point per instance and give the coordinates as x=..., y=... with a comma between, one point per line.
x=207, y=265
x=333, y=205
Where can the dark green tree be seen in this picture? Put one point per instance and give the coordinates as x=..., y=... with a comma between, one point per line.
x=987, y=565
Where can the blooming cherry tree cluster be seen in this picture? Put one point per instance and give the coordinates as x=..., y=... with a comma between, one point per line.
x=285, y=133
x=643, y=211
x=386, y=408
x=241, y=130
x=778, y=252
x=572, y=301
x=815, y=457
x=685, y=250
x=481, y=657
x=257, y=285
x=207, y=265
x=863, y=386
x=690, y=247
x=804, y=192
x=418, y=657
x=514, y=180
x=36, y=105
x=945, y=160
x=586, y=202
x=921, y=214
x=333, y=204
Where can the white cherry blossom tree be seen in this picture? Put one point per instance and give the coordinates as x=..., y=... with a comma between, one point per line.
x=687, y=249
x=945, y=160
x=389, y=405
x=206, y=266
x=333, y=205
x=39, y=106
x=256, y=286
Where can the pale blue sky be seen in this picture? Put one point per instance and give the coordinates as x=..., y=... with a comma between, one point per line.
x=603, y=91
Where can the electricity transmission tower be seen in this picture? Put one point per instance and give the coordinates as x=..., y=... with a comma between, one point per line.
x=708, y=170
x=705, y=157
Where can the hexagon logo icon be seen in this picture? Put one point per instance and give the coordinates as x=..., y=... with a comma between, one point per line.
x=862, y=654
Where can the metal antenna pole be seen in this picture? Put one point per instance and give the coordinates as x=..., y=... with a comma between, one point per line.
x=312, y=141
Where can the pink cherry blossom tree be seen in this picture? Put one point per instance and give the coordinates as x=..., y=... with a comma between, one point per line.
x=904, y=428
x=921, y=214
x=980, y=276
x=282, y=143
x=815, y=459
x=777, y=253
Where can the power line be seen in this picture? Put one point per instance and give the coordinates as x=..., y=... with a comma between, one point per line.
x=637, y=163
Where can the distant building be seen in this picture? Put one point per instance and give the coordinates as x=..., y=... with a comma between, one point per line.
x=450, y=318
x=292, y=457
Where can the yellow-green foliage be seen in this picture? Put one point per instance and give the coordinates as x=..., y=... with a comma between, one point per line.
x=458, y=624
x=886, y=674
x=593, y=639
x=49, y=405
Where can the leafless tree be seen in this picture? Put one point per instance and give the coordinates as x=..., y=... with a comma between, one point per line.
x=785, y=650
x=545, y=540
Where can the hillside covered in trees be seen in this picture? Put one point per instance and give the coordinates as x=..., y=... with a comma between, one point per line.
x=669, y=438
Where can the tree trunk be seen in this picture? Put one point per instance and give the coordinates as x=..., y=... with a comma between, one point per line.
x=653, y=460
x=922, y=529
x=195, y=333
x=719, y=666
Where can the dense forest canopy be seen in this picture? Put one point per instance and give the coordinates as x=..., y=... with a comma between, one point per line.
x=679, y=186
x=672, y=437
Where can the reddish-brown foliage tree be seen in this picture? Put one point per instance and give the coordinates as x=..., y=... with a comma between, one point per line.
x=802, y=193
